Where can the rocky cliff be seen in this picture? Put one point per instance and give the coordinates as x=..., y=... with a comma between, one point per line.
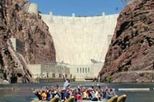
x=36, y=45
x=130, y=57
x=36, y=42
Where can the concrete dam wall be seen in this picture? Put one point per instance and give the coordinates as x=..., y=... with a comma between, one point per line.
x=81, y=44
x=80, y=40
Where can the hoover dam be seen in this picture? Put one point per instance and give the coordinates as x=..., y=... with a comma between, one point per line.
x=78, y=40
x=81, y=44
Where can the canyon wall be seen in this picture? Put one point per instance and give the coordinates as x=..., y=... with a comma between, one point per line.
x=18, y=22
x=130, y=56
x=28, y=28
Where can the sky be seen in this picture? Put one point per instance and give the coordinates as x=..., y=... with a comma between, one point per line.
x=79, y=7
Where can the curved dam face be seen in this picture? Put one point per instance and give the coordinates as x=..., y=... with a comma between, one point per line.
x=81, y=42
x=80, y=39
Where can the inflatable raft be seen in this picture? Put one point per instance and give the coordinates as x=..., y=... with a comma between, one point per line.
x=116, y=98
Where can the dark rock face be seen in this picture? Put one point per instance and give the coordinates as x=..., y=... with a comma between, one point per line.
x=12, y=70
x=32, y=32
x=130, y=57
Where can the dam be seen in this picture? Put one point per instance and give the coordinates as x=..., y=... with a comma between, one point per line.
x=79, y=39
x=81, y=44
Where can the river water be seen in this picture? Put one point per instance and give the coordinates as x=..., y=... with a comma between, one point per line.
x=23, y=92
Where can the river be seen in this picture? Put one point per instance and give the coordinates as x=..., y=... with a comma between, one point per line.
x=136, y=92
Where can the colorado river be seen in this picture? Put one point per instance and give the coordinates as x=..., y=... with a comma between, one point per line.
x=142, y=92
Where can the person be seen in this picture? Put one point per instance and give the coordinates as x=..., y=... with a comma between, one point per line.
x=49, y=95
x=110, y=93
x=93, y=96
x=66, y=83
x=38, y=94
x=44, y=95
x=78, y=96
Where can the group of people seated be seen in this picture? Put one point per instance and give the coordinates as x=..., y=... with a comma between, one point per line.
x=79, y=93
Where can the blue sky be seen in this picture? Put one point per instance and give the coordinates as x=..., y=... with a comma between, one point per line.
x=79, y=7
